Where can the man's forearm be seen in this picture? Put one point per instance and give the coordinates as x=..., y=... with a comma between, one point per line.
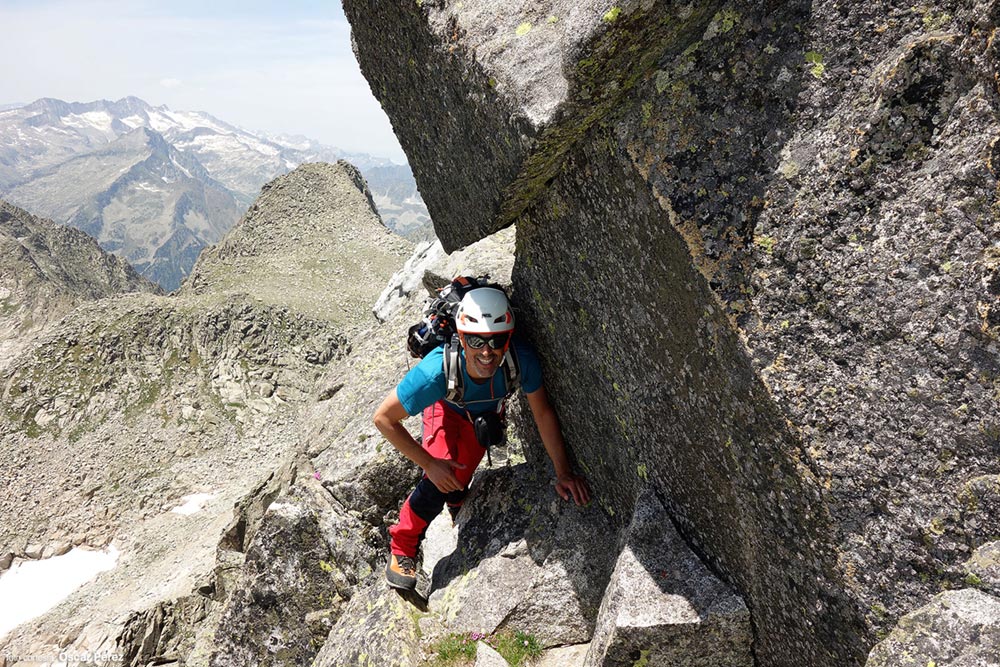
x=555, y=447
x=400, y=438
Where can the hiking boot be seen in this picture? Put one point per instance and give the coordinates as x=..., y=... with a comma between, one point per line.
x=401, y=572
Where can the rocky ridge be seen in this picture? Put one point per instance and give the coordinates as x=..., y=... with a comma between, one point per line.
x=790, y=214
x=47, y=270
x=134, y=402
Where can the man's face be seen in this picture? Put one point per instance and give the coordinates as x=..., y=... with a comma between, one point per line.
x=481, y=359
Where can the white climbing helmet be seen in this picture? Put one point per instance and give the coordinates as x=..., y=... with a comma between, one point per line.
x=484, y=311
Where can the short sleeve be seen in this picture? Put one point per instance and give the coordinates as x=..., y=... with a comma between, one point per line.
x=531, y=369
x=424, y=385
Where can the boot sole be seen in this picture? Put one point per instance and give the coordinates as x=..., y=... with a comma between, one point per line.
x=399, y=581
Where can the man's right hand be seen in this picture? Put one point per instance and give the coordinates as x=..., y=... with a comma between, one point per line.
x=441, y=473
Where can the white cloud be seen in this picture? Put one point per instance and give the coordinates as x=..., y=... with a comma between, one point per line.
x=170, y=82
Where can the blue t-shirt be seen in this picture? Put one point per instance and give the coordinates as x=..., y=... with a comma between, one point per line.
x=426, y=383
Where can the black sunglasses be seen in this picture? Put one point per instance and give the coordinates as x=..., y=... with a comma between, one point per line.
x=496, y=341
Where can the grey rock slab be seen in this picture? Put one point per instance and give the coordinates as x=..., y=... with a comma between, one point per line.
x=664, y=604
x=956, y=629
x=486, y=656
x=525, y=560
x=440, y=541
x=984, y=568
x=563, y=656
x=492, y=255
x=376, y=629
x=407, y=280
x=283, y=581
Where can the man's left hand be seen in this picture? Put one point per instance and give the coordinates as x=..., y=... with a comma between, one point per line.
x=575, y=487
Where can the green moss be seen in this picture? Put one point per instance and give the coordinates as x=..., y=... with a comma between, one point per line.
x=523, y=29
x=326, y=567
x=643, y=660
x=972, y=579
x=642, y=472
x=612, y=14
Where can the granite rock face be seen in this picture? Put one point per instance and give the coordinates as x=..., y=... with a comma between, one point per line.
x=770, y=231
x=663, y=605
x=957, y=628
x=525, y=560
x=279, y=612
x=377, y=629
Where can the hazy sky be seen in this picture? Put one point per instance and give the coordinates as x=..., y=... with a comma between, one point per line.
x=280, y=67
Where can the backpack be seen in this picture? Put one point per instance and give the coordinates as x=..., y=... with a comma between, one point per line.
x=437, y=328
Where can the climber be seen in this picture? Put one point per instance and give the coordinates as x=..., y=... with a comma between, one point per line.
x=457, y=432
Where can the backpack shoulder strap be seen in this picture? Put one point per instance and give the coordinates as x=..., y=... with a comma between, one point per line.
x=455, y=388
x=511, y=370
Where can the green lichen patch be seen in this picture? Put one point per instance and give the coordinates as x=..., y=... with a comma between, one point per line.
x=523, y=29
x=815, y=61
x=612, y=14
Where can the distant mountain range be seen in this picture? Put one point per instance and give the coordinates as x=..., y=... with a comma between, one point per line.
x=155, y=186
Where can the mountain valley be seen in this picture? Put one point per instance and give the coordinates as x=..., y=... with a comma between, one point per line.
x=156, y=186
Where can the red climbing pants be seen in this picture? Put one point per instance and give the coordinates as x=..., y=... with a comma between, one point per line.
x=447, y=435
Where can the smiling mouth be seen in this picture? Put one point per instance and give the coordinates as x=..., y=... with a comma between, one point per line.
x=487, y=364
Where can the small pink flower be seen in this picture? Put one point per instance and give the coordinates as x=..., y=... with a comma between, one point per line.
x=316, y=475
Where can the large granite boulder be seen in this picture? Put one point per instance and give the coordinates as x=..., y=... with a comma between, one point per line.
x=305, y=559
x=957, y=628
x=504, y=89
x=378, y=628
x=757, y=253
x=525, y=560
x=663, y=605
x=276, y=614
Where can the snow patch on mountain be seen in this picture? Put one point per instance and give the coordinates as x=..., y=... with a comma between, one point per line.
x=34, y=587
x=97, y=120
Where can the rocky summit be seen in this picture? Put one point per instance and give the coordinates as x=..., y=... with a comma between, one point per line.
x=757, y=248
